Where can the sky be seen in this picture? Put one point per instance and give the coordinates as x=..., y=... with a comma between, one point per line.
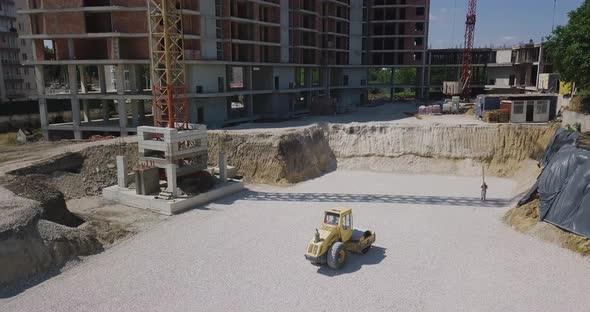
x=499, y=22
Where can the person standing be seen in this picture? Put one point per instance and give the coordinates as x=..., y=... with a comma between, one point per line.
x=484, y=189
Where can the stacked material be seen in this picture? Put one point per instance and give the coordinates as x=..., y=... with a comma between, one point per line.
x=490, y=116
x=503, y=115
x=497, y=116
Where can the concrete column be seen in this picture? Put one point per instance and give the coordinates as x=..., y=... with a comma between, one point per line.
x=393, y=70
x=133, y=81
x=251, y=97
x=104, y=105
x=75, y=101
x=122, y=109
x=122, y=170
x=134, y=113
x=222, y=164
x=86, y=111
x=141, y=110
x=82, y=80
x=43, y=112
x=120, y=79
x=121, y=104
x=101, y=79
x=71, y=50
x=284, y=11
x=44, y=116
x=428, y=73
x=171, y=179
x=3, y=95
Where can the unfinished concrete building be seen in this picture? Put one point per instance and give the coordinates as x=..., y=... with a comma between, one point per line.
x=246, y=60
x=508, y=69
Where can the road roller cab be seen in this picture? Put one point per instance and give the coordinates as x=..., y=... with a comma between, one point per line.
x=336, y=237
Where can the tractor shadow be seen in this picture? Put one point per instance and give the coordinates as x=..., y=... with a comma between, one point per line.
x=356, y=261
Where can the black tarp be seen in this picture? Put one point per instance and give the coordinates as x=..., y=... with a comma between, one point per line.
x=564, y=190
x=560, y=138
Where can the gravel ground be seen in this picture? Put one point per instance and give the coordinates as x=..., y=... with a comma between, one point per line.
x=437, y=249
x=390, y=112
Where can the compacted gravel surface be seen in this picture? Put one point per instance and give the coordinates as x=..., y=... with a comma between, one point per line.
x=438, y=248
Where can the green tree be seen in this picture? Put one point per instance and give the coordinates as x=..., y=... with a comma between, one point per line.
x=569, y=47
x=405, y=76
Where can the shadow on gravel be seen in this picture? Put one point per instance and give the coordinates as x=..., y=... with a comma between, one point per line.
x=18, y=288
x=355, y=261
x=375, y=198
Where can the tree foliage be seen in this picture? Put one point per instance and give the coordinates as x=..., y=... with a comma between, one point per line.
x=405, y=76
x=569, y=47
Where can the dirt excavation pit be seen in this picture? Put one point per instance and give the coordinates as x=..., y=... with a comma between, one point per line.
x=51, y=234
x=80, y=174
x=278, y=157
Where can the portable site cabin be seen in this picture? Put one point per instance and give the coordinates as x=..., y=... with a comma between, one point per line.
x=533, y=108
x=523, y=107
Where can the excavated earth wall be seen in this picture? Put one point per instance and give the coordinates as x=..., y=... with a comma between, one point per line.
x=283, y=156
x=457, y=149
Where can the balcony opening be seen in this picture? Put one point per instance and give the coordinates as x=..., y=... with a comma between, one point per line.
x=98, y=22
x=419, y=27
x=94, y=3
x=236, y=77
x=49, y=50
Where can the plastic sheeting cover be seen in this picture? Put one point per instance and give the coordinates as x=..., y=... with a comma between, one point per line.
x=560, y=138
x=564, y=190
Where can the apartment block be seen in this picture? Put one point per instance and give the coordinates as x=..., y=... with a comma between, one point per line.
x=245, y=60
x=15, y=80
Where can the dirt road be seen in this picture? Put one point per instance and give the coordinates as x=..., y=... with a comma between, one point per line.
x=438, y=249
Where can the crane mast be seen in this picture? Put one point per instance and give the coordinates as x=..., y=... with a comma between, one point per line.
x=466, y=74
x=167, y=64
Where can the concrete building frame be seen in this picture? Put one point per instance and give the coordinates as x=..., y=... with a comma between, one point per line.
x=246, y=60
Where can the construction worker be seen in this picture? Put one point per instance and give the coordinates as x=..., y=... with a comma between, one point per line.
x=484, y=189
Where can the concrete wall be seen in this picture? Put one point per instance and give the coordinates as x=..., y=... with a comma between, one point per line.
x=501, y=74
x=208, y=30
x=263, y=105
x=570, y=118
x=286, y=75
x=349, y=98
x=356, y=32
x=504, y=56
x=284, y=31
x=355, y=75
x=262, y=78
x=205, y=76
x=280, y=105
x=214, y=110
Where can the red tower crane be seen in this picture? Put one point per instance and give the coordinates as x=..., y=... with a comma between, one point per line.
x=167, y=62
x=468, y=49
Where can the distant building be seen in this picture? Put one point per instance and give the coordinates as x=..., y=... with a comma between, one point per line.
x=515, y=69
x=25, y=46
x=16, y=81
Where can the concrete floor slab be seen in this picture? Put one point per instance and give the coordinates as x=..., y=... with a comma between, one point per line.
x=438, y=249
